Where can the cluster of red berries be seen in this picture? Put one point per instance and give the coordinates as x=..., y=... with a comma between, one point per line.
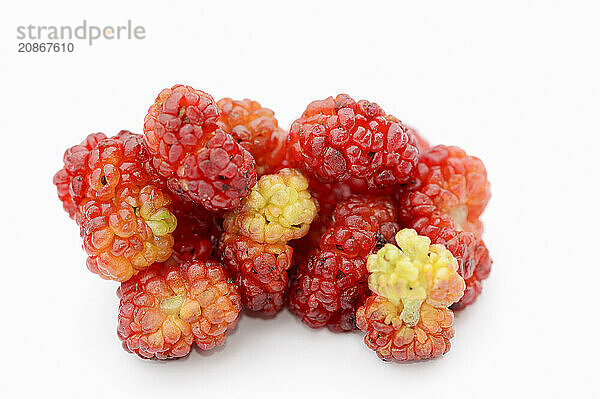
x=351, y=219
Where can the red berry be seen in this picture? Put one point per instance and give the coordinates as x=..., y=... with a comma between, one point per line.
x=339, y=139
x=180, y=122
x=257, y=130
x=260, y=270
x=203, y=163
x=166, y=308
x=333, y=283
x=392, y=339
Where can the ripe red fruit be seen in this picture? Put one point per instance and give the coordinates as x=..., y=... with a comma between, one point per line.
x=167, y=307
x=392, y=340
x=202, y=162
x=328, y=289
x=259, y=269
x=338, y=139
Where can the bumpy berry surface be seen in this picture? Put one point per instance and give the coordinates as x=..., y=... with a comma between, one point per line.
x=255, y=249
x=129, y=233
x=416, y=211
x=338, y=139
x=391, y=339
x=257, y=130
x=197, y=234
x=181, y=120
x=166, y=308
x=203, y=163
x=123, y=211
x=455, y=183
x=260, y=270
x=278, y=209
x=414, y=283
x=118, y=162
x=71, y=180
x=422, y=143
x=328, y=289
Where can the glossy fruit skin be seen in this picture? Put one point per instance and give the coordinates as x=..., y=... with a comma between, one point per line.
x=201, y=161
x=259, y=269
x=257, y=130
x=328, y=289
x=392, y=340
x=338, y=139
x=70, y=181
x=167, y=307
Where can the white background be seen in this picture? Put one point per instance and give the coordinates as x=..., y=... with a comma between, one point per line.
x=516, y=83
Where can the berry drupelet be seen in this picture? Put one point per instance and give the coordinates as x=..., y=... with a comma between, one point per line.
x=407, y=317
x=167, y=307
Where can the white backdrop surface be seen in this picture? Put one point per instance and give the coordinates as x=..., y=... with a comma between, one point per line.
x=515, y=83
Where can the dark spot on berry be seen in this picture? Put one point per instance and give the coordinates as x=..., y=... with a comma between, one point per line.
x=253, y=271
x=340, y=274
x=410, y=288
x=339, y=247
x=221, y=177
x=371, y=154
x=103, y=180
x=231, y=157
x=381, y=241
x=296, y=226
